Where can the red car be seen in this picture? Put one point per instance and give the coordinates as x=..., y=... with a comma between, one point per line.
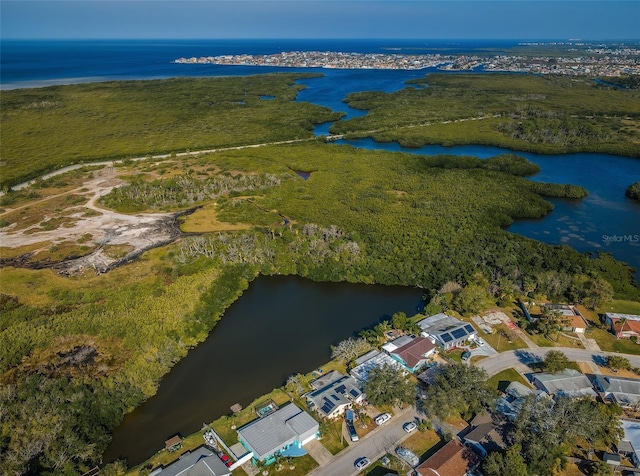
x=226, y=460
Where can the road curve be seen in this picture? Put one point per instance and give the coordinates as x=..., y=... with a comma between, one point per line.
x=512, y=358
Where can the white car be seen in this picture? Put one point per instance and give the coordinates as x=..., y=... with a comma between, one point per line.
x=480, y=342
x=381, y=419
x=362, y=463
x=409, y=427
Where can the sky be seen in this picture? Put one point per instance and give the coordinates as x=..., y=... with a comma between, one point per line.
x=232, y=19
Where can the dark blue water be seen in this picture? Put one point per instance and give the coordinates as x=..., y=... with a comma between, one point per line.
x=23, y=63
x=605, y=221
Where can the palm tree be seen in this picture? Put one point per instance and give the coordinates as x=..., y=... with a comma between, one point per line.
x=622, y=321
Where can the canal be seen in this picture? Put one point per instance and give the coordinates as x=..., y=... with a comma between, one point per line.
x=279, y=327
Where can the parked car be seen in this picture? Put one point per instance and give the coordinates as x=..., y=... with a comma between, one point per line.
x=480, y=342
x=226, y=460
x=381, y=419
x=409, y=426
x=362, y=463
x=466, y=355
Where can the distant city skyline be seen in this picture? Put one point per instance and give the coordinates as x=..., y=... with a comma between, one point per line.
x=398, y=19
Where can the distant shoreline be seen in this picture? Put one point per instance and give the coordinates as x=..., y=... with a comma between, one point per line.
x=623, y=61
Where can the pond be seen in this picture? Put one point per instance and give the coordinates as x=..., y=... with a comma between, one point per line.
x=279, y=327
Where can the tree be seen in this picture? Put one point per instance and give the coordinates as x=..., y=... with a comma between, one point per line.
x=458, y=388
x=388, y=385
x=471, y=300
x=549, y=322
x=547, y=429
x=349, y=349
x=556, y=361
x=509, y=463
x=617, y=362
x=600, y=468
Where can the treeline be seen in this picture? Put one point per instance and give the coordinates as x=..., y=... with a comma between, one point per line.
x=520, y=112
x=123, y=339
x=47, y=128
x=182, y=191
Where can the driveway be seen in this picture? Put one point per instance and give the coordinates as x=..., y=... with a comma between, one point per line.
x=374, y=445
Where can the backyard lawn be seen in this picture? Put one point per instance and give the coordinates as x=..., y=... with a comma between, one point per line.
x=501, y=380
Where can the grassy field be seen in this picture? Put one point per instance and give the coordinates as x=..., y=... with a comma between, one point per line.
x=123, y=119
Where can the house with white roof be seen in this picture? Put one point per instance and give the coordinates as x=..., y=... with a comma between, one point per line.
x=281, y=433
x=332, y=394
x=375, y=359
x=446, y=331
x=630, y=443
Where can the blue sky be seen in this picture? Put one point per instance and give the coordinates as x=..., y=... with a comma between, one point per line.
x=423, y=19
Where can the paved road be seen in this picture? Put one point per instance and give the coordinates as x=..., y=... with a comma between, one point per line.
x=376, y=444
x=513, y=358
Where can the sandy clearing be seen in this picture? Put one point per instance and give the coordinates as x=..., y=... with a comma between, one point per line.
x=141, y=231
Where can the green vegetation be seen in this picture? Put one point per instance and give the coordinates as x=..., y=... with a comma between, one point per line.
x=458, y=389
x=521, y=112
x=629, y=81
x=123, y=119
x=633, y=191
x=617, y=362
x=547, y=429
x=78, y=353
x=388, y=386
x=501, y=380
x=555, y=361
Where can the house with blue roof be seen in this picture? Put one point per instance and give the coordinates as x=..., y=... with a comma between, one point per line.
x=281, y=433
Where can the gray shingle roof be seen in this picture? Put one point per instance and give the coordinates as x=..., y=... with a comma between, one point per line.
x=568, y=382
x=272, y=432
x=199, y=462
x=623, y=390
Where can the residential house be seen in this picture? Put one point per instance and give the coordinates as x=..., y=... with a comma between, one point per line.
x=453, y=459
x=623, y=326
x=569, y=382
x=571, y=317
x=397, y=343
x=283, y=432
x=376, y=359
x=446, y=331
x=630, y=443
x=623, y=391
x=199, y=462
x=333, y=394
x=415, y=354
x=486, y=434
x=510, y=404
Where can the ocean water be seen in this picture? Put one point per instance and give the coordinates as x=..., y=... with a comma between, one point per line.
x=604, y=221
x=36, y=63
